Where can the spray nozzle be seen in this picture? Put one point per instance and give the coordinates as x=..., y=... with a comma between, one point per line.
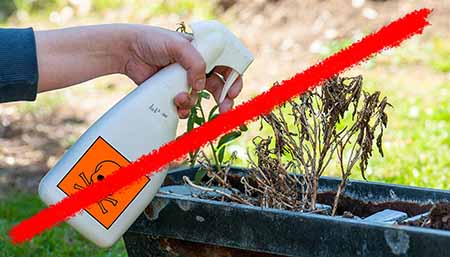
x=219, y=47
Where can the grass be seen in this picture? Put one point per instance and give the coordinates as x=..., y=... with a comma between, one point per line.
x=60, y=241
x=433, y=53
x=137, y=11
x=417, y=140
x=415, y=79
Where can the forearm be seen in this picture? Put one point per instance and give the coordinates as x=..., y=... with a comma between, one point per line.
x=73, y=55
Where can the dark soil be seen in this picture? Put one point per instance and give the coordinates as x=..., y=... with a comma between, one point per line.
x=440, y=216
x=364, y=209
x=354, y=206
x=348, y=207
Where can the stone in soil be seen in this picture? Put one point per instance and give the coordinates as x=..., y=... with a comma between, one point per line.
x=387, y=216
x=326, y=209
x=417, y=217
x=350, y=215
x=438, y=217
x=187, y=190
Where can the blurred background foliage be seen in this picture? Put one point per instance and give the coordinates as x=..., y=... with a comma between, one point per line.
x=285, y=36
x=60, y=11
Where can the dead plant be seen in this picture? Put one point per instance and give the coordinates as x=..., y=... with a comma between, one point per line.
x=337, y=121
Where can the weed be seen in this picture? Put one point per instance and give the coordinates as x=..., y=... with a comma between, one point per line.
x=196, y=118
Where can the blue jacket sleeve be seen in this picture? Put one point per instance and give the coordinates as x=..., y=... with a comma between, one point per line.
x=18, y=65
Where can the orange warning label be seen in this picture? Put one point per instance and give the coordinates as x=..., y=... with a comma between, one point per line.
x=99, y=161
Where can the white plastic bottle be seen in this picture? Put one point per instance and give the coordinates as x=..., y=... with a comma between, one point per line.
x=142, y=121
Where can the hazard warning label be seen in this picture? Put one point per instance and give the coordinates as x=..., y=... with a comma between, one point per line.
x=99, y=161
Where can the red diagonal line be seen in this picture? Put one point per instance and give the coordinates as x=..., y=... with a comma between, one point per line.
x=389, y=36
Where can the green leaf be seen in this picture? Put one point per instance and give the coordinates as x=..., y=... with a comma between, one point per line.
x=199, y=175
x=205, y=95
x=190, y=122
x=198, y=104
x=214, y=116
x=228, y=138
x=221, y=154
x=198, y=120
x=243, y=128
x=212, y=113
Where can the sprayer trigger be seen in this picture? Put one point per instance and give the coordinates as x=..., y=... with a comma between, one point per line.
x=228, y=83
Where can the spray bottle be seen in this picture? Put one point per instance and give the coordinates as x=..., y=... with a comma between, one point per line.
x=142, y=121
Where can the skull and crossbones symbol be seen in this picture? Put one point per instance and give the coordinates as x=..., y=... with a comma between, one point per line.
x=100, y=170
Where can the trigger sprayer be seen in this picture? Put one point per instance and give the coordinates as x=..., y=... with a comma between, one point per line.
x=142, y=121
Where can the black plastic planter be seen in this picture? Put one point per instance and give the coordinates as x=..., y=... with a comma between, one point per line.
x=179, y=225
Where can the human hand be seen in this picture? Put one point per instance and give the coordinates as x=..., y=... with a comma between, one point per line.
x=151, y=49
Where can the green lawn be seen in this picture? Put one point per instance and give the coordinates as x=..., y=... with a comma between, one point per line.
x=415, y=77
x=60, y=241
x=417, y=142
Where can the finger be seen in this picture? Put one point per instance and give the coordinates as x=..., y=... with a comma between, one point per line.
x=183, y=113
x=182, y=100
x=235, y=89
x=214, y=85
x=185, y=35
x=185, y=100
x=223, y=70
x=215, y=82
x=191, y=60
x=226, y=105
